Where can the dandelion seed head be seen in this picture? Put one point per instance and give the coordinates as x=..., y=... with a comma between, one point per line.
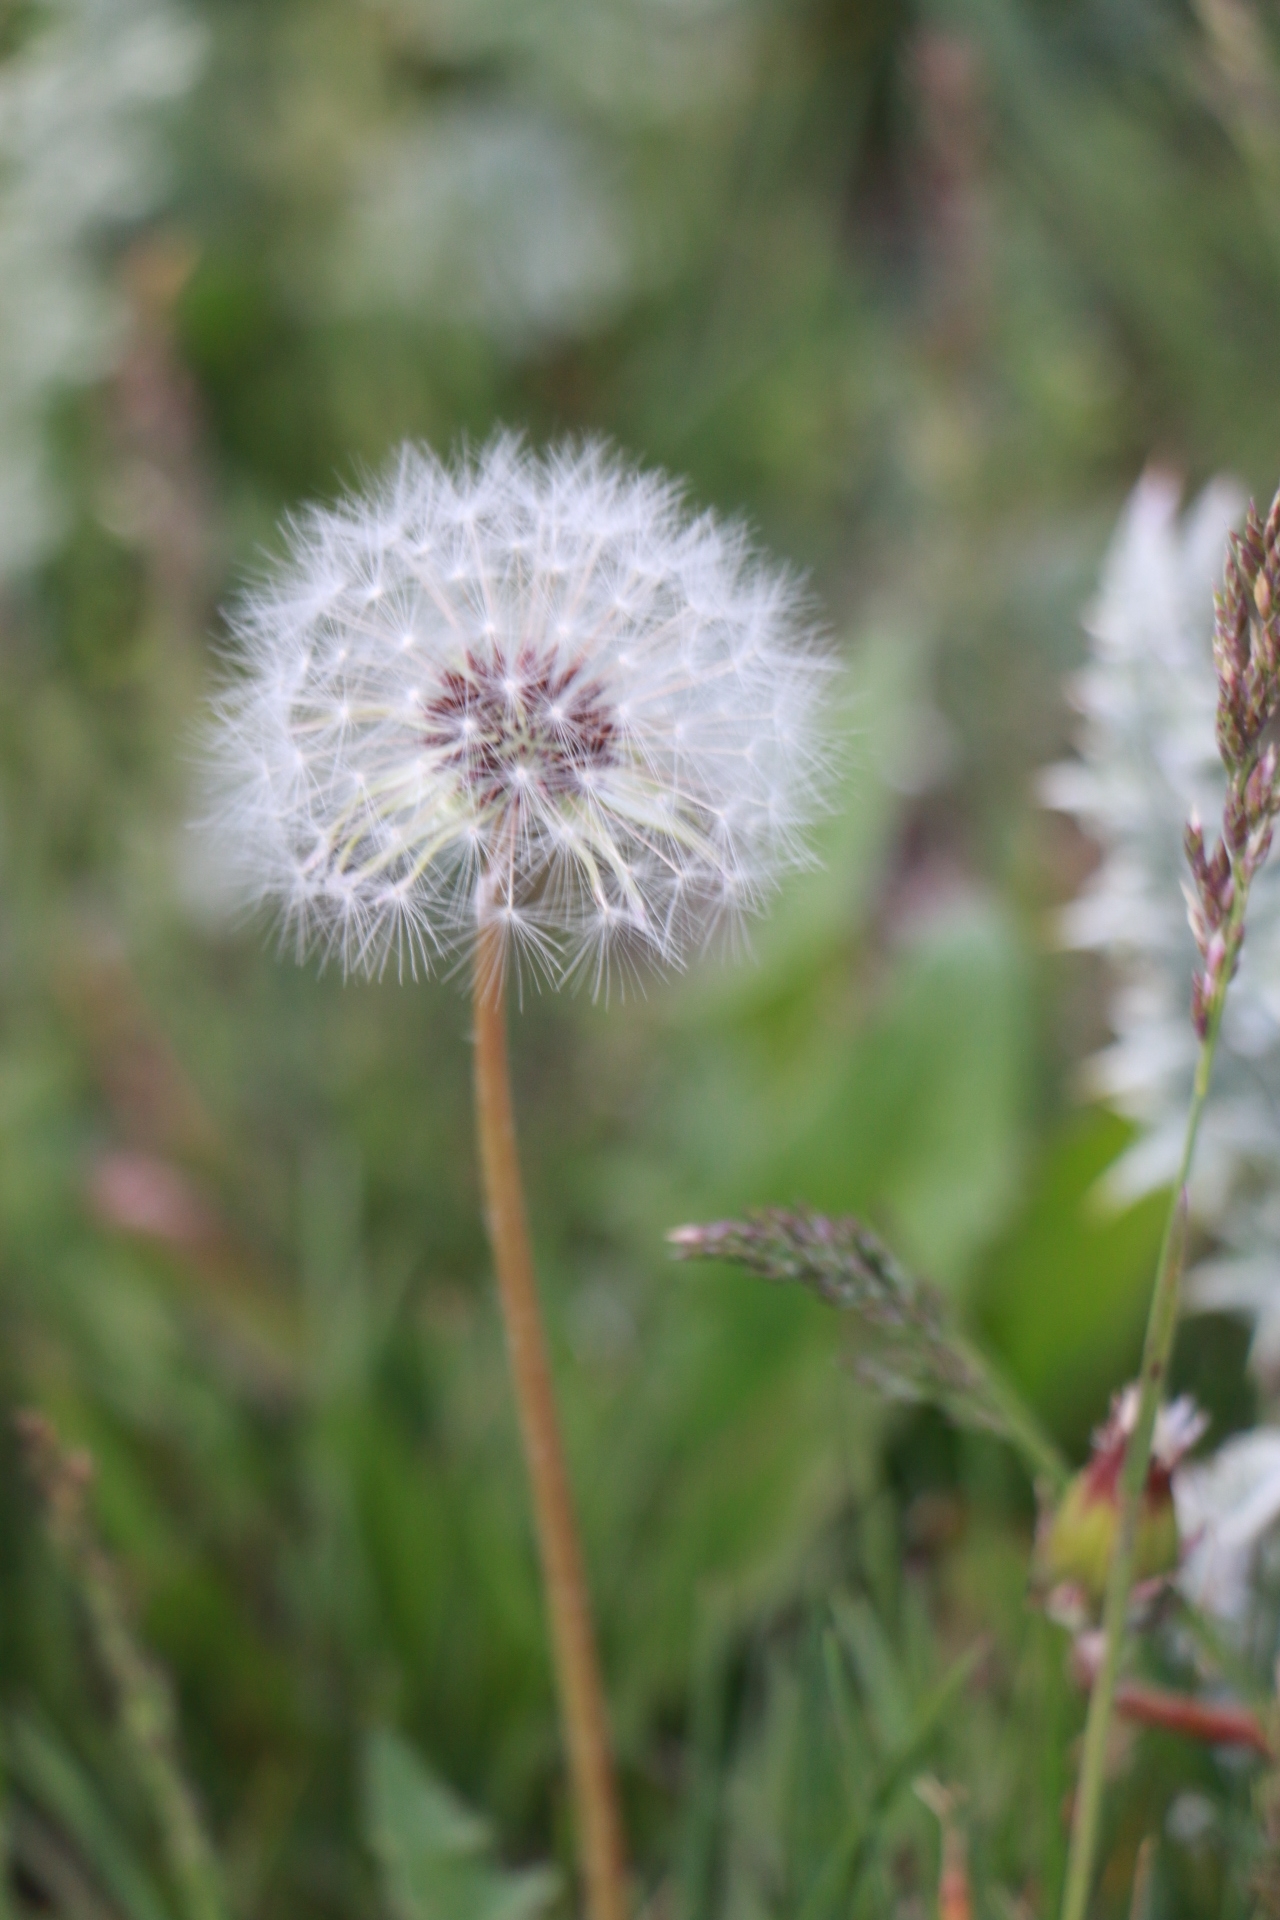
x=525, y=690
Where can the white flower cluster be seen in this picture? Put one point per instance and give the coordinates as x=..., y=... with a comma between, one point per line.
x=1227, y=1506
x=527, y=691
x=76, y=154
x=627, y=63
x=486, y=215
x=1148, y=760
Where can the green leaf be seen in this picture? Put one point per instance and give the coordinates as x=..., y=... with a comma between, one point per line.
x=1063, y=1297
x=876, y=1667
x=42, y=1768
x=851, y=1854
x=916, y=1115
x=436, y=1854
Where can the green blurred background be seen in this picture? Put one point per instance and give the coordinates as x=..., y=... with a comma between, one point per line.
x=917, y=290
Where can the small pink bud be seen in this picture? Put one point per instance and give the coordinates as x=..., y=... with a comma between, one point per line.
x=139, y=1194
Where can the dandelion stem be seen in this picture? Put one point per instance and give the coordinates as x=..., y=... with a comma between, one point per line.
x=573, y=1641
x=1162, y=1323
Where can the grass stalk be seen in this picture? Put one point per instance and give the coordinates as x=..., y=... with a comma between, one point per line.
x=1162, y=1321
x=145, y=1712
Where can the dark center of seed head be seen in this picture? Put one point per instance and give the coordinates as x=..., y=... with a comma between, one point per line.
x=528, y=724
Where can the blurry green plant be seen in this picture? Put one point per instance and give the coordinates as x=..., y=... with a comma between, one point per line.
x=910, y=1347
x=142, y=1710
x=1115, y=1523
x=436, y=1855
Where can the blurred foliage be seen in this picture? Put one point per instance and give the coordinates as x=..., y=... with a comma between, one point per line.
x=918, y=289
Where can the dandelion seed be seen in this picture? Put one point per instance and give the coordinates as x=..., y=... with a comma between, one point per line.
x=592, y=768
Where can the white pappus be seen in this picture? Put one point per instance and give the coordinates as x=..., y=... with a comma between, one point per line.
x=524, y=690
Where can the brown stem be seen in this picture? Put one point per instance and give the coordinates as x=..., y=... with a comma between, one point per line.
x=1219, y=1726
x=573, y=1643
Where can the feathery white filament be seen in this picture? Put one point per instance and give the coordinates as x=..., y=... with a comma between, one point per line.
x=529, y=690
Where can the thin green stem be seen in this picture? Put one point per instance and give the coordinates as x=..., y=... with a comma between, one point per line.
x=1022, y=1430
x=1162, y=1323
x=147, y=1720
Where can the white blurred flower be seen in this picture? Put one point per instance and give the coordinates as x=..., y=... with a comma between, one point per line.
x=486, y=215
x=1148, y=759
x=644, y=61
x=528, y=203
x=529, y=691
x=76, y=154
x=1226, y=1505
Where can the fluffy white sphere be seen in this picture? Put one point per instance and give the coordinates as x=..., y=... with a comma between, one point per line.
x=528, y=691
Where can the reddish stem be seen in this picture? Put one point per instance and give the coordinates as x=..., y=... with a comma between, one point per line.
x=1175, y=1712
x=572, y=1638
x=1178, y=1713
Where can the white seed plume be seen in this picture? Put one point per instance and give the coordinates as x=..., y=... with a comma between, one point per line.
x=1148, y=759
x=528, y=691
